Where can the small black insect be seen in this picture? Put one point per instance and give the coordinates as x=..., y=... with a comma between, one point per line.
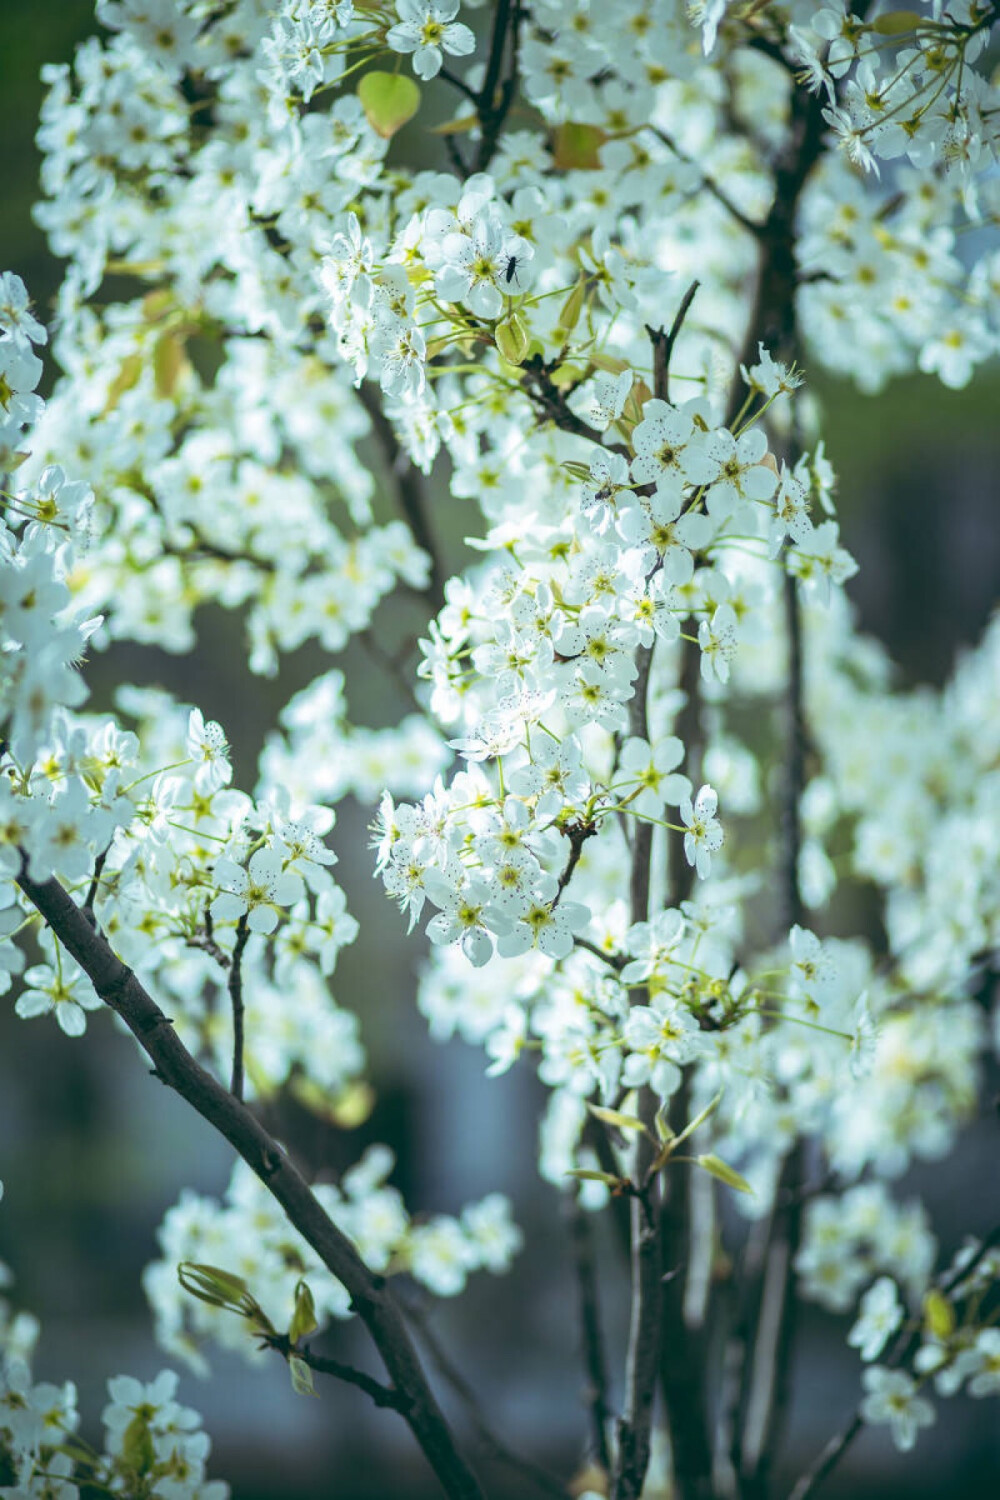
x=510, y=272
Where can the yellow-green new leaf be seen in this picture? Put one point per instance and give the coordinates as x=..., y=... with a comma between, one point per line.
x=512, y=339
x=388, y=100
x=897, y=22
x=585, y=1175
x=213, y=1285
x=724, y=1172
x=615, y=1117
x=302, y=1379
x=569, y=314
x=939, y=1315
x=304, y=1317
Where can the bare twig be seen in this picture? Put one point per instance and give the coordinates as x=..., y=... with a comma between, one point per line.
x=709, y=184
x=491, y=105
x=578, y=834
x=121, y=989
x=95, y=881
x=596, y=1393
x=486, y=1437
x=663, y=344
x=382, y=1395
x=236, y=1001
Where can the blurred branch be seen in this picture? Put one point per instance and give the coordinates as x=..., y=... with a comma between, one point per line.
x=411, y=490
x=486, y=1437
x=635, y=1423
x=584, y=1265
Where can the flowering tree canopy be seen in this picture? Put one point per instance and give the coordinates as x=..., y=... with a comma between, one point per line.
x=644, y=741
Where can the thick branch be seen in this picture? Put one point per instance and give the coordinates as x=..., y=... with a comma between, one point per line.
x=120, y=989
x=635, y=1425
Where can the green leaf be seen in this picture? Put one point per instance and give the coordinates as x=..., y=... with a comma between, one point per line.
x=388, y=100
x=169, y=359
x=897, y=22
x=511, y=339
x=304, y=1317
x=663, y=1127
x=585, y=1175
x=213, y=1285
x=138, y=1453
x=939, y=1315
x=302, y=1379
x=569, y=314
x=616, y=1117
x=575, y=147
x=725, y=1173
x=692, y=1125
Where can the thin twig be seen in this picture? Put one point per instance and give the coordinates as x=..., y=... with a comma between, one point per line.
x=491, y=108
x=550, y=402
x=663, y=344
x=578, y=834
x=236, y=1001
x=95, y=882
x=486, y=1437
x=382, y=1395
x=584, y=1264
x=709, y=184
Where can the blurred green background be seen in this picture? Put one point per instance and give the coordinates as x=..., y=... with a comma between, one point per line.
x=92, y=1150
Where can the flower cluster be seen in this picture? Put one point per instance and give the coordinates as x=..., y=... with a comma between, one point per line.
x=315, y=339
x=248, y=1234
x=153, y=1445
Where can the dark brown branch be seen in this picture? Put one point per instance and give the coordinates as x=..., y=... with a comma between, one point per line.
x=767, y=1299
x=635, y=1424
x=236, y=1001
x=92, y=889
x=550, y=402
x=663, y=344
x=491, y=105
x=382, y=1395
x=578, y=834
x=120, y=989
x=681, y=1367
x=584, y=1264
